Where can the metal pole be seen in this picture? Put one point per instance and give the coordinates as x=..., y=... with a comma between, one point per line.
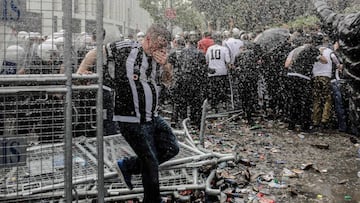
x=169, y=20
x=230, y=78
x=68, y=104
x=99, y=103
x=202, y=125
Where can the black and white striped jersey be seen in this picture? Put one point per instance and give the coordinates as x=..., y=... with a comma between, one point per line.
x=132, y=75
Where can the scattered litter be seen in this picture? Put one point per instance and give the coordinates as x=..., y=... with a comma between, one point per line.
x=268, y=177
x=263, y=199
x=298, y=171
x=280, y=162
x=311, y=166
x=246, y=162
x=306, y=166
x=301, y=136
x=248, y=179
x=274, y=150
x=288, y=173
x=319, y=197
x=347, y=198
x=255, y=127
x=341, y=182
x=321, y=146
x=273, y=184
x=294, y=191
x=324, y=171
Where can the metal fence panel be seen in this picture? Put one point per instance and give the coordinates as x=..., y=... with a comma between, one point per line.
x=171, y=177
x=43, y=110
x=51, y=144
x=32, y=141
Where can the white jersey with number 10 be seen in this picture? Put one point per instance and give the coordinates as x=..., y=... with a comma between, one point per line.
x=217, y=57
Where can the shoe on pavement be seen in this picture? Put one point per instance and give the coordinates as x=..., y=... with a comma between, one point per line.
x=123, y=173
x=314, y=129
x=291, y=127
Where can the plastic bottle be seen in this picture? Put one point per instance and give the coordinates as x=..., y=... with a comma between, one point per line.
x=284, y=180
x=263, y=199
x=319, y=197
x=347, y=198
x=301, y=136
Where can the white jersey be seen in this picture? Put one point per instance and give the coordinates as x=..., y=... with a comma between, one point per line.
x=217, y=57
x=234, y=46
x=320, y=69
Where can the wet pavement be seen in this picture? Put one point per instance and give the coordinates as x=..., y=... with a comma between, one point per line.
x=277, y=165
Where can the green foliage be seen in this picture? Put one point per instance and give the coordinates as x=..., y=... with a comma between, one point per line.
x=251, y=15
x=187, y=17
x=352, y=9
x=248, y=15
x=156, y=9
x=304, y=21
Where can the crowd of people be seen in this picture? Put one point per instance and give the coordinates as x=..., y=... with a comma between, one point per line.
x=230, y=67
x=227, y=68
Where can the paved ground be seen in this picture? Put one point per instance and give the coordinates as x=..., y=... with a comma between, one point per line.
x=284, y=166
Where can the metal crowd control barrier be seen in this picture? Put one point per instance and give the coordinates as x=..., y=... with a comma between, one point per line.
x=37, y=112
x=174, y=175
x=45, y=113
x=219, y=157
x=42, y=175
x=44, y=171
x=32, y=132
x=42, y=107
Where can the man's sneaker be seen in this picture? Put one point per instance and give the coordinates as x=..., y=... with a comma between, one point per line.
x=123, y=173
x=315, y=129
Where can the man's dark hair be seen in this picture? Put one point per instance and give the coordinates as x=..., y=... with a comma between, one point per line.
x=156, y=30
x=217, y=37
x=193, y=37
x=317, y=39
x=207, y=34
x=180, y=41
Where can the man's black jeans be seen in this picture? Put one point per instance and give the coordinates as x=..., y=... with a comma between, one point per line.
x=154, y=143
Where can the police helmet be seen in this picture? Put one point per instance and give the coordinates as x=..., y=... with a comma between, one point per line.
x=46, y=51
x=14, y=54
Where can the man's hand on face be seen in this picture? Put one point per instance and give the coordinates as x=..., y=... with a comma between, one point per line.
x=160, y=56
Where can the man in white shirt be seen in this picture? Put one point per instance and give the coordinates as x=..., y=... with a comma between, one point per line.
x=218, y=58
x=234, y=44
x=322, y=73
